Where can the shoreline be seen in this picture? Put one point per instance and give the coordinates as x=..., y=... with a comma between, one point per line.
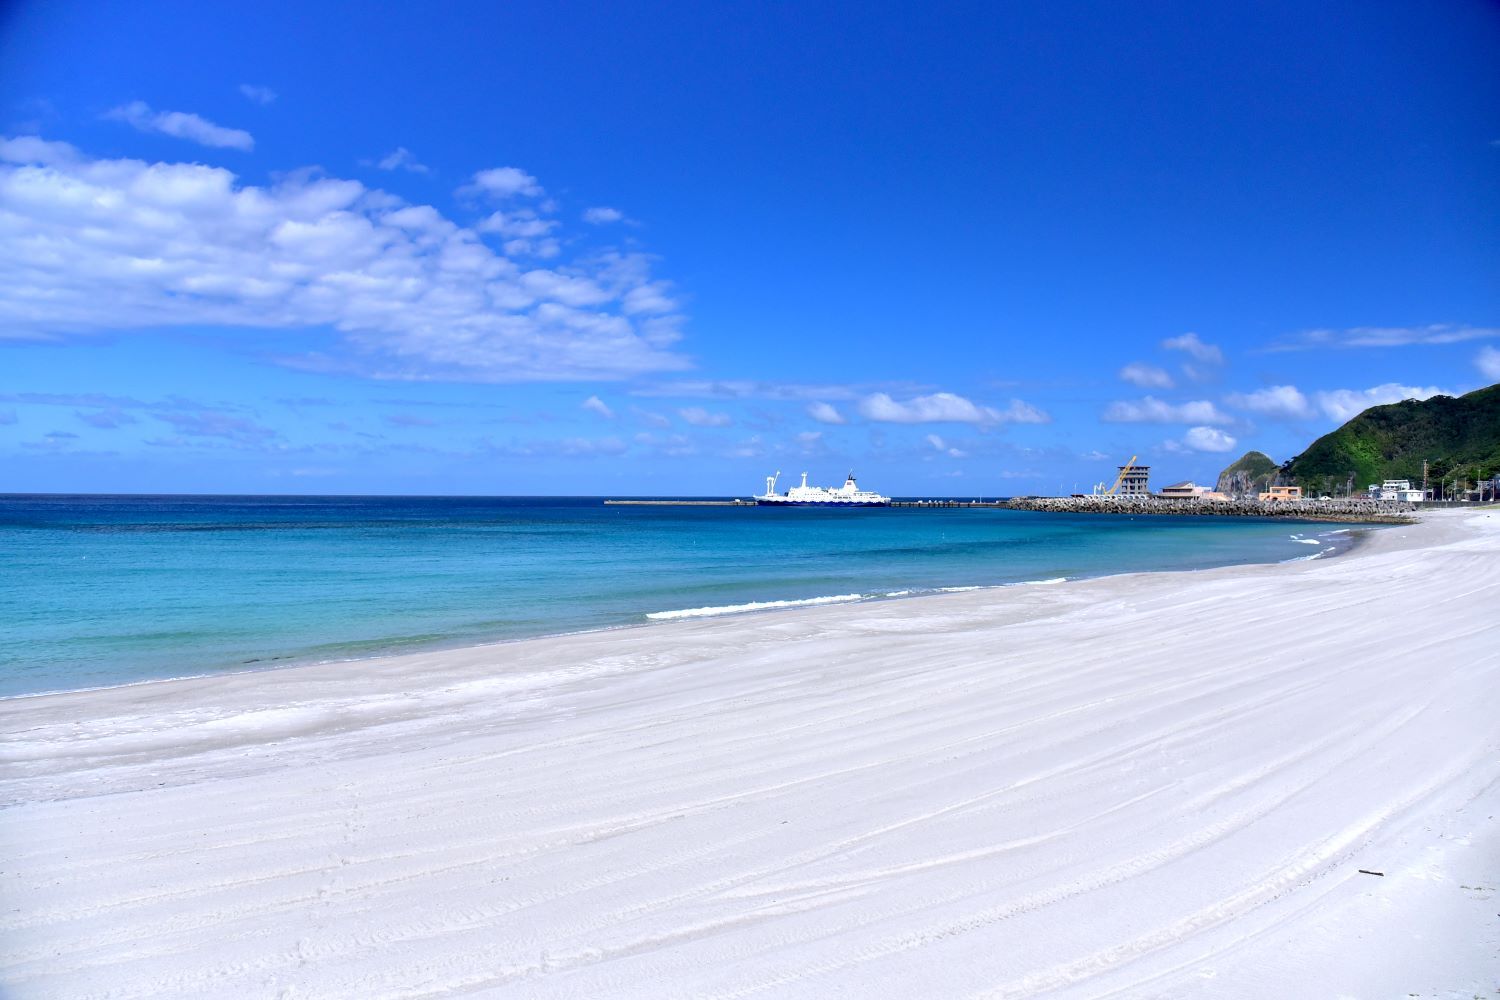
x=1161, y=783
x=295, y=662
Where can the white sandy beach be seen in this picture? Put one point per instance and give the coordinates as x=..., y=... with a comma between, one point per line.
x=1158, y=785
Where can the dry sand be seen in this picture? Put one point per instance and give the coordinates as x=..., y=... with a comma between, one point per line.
x=1147, y=785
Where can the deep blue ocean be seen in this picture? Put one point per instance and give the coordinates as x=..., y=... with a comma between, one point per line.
x=98, y=590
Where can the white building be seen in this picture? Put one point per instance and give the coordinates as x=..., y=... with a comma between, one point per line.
x=1398, y=490
x=1185, y=491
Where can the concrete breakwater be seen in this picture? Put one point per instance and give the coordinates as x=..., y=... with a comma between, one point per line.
x=1363, y=511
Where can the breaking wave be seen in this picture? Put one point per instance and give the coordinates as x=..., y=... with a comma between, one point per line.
x=735, y=609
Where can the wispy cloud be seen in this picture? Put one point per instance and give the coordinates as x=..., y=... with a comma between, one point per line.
x=651, y=418
x=751, y=447
x=744, y=389
x=825, y=413
x=1192, y=345
x=1385, y=336
x=1146, y=376
x=1155, y=411
x=215, y=424
x=602, y=215
x=408, y=420
x=182, y=125
x=578, y=447
x=1488, y=362
x=106, y=419
x=598, y=406
x=942, y=447
x=401, y=158
x=54, y=441
x=811, y=443
x=699, y=417
x=257, y=93
x=412, y=294
x=946, y=407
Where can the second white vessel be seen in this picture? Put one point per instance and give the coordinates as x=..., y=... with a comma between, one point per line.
x=848, y=495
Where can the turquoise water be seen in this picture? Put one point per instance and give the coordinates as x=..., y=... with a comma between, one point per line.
x=108, y=590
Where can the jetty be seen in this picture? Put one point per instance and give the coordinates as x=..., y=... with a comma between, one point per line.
x=1356, y=510
x=681, y=503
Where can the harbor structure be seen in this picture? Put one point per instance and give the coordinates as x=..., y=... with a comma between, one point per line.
x=1187, y=490
x=1134, y=481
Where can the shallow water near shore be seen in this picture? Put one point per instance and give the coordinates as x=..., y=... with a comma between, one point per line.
x=102, y=590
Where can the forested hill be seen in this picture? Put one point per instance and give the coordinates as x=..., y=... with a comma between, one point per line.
x=1455, y=435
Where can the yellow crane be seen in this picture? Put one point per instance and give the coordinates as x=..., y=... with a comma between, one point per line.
x=1121, y=477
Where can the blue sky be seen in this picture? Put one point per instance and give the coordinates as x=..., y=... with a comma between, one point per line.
x=671, y=248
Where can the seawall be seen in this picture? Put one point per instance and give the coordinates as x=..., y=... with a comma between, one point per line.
x=1362, y=511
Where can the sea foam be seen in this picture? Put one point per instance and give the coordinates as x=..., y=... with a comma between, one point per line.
x=735, y=609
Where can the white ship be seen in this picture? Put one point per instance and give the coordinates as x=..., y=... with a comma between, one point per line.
x=848, y=495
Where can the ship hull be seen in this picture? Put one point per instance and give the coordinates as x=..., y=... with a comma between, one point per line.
x=820, y=503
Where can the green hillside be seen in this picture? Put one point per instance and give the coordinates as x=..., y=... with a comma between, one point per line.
x=1454, y=435
x=1252, y=472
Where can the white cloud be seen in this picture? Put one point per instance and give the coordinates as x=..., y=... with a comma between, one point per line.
x=744, y=389
x=946, y=407
x=1019, y=412
x=401, y=158
x=504, y=182
x=1195, y=348
x=1207, y=439
x=257, y=93
x=825, y=413
x=941, y=446
x=1146, y=376
x=526, y=234
x=649, y=418
x=1275, y=401
x=1342, y=404
x=699, y=417
x=578, y=447
x=596, y=405
x=112, y=245
x=749, y=448
x=1155, y=411
x=523, y=223
x=602, y=215
x=181, y=125
x=1488, y=363
x=1387, y=336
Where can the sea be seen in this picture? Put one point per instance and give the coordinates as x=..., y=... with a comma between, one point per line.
x=106, y=590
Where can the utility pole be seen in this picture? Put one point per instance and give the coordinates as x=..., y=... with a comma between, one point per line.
x=1424, y=477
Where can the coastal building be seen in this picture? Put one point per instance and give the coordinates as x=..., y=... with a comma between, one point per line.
x=1188, y=490
x=1399, y=490
x=1281, y=494
x=1134, y=481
